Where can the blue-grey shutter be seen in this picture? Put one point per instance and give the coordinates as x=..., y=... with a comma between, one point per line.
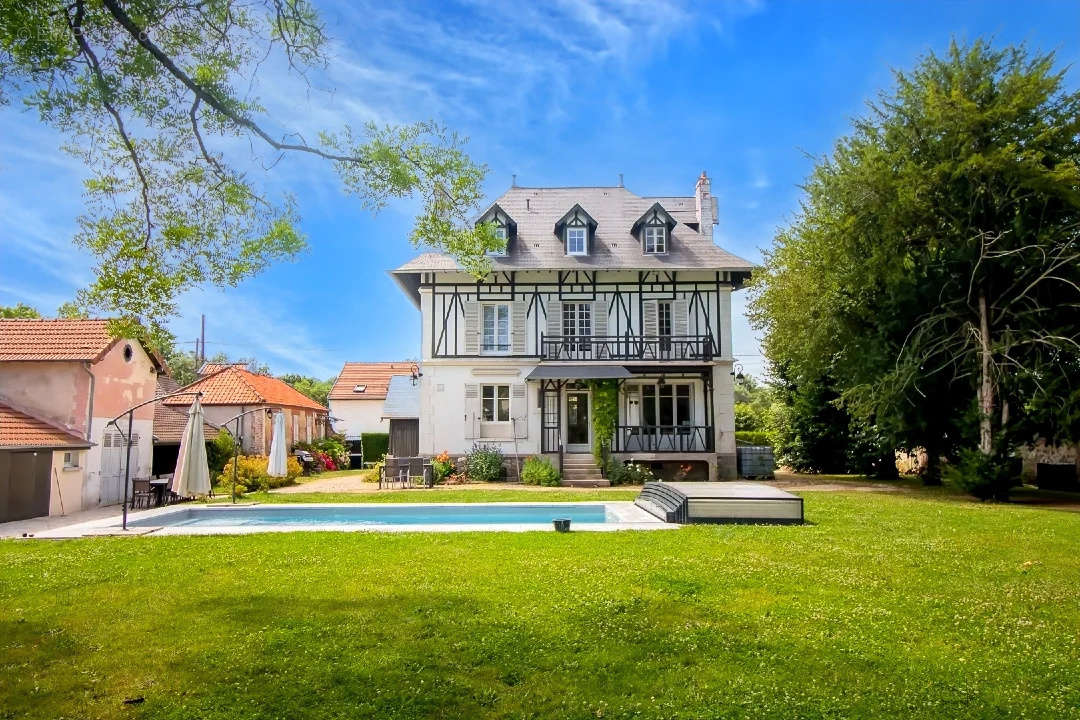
x=680, y=321
x=519, y=409
x=554, y=324
x=472, y=410
x=518, y=327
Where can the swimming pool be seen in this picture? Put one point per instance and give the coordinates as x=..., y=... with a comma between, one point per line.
x=374, y=515
x=197, y=519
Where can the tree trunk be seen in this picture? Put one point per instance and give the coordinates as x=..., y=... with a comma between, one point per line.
x=932, y=475
x=986, y=383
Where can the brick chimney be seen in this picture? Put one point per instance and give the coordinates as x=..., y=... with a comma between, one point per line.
x=705, y=204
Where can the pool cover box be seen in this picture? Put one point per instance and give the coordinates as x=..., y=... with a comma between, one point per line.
x=720, y=502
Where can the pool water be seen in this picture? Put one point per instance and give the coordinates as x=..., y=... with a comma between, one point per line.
x=360, y=515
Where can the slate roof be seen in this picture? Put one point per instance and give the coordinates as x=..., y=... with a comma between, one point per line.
x=170, y=421
x=402, y=399
x=374, y=375
x=57, y=339
x=22, y=431
x=615, y=210
x=237, y=386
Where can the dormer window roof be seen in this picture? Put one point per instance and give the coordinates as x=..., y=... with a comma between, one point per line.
x=653, y=230
x=505, y=228
x=577, y=230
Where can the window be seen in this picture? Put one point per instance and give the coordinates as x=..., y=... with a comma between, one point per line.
x=666, y=405
x=663, y=324
x=495, y=403
x=496, y=329
x=577, y=322
x=501, y=235
x=655, y=239
x=359, y=388
x=71, y=460
x=576, y=241
x=128, y=353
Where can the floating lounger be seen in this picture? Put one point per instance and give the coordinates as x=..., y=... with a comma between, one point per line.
x=719, y=502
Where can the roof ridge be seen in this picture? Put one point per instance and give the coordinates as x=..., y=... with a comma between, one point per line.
x=262, y=398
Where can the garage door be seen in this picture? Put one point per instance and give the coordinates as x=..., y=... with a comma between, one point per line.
x=24, y=484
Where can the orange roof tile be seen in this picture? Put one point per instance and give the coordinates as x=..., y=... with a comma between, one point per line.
x=209, y=368
x=19, y=430
x=237, y=386
x=170, y=422
x=374, y=376
x=58, y=339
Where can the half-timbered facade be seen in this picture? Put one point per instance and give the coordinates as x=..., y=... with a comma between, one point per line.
x=594, y=283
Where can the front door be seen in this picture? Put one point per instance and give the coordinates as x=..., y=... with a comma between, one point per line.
x=577, y=421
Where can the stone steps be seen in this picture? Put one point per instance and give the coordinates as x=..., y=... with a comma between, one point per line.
x=579, y=470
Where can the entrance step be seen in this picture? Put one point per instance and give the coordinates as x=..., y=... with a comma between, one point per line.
x=579, y=470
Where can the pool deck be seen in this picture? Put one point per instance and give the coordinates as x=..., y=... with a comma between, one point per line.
x=628, y=517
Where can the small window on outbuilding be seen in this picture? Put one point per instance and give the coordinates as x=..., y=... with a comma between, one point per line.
x=128, y=353
x=71, y=460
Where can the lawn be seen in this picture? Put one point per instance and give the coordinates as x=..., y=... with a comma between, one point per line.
x=886, y=605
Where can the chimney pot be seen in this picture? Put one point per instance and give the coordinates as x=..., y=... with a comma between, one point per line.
x=620, y=180
x=513, y=180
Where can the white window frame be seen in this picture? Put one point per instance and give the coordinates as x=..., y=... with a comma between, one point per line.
x=495, y=347
x=655, y=239
x=71, y=460
x=572, y=230
x=494, y=394
x=577, y=323
x=500, y=234
x=665, y=311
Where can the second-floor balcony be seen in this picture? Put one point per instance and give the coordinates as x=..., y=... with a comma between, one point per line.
x=627, y=347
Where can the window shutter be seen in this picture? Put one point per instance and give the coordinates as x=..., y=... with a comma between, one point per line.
x=518, y=326
x=554, y=324
x=680, y=321
x=519, y=409
x=472, y=328
x=648, y=322
x=472, y=410
x=599, y=318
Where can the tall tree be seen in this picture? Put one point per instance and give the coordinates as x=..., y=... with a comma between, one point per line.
x=934, y=269
x=149, y=92
x=19, y=310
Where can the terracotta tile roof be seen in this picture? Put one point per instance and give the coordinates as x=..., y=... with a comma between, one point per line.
x=374, y=376
x=19, y=430
x=40, y=339
x=237, y=386
x=209, y=368
x=169, y=421
x=58, y=339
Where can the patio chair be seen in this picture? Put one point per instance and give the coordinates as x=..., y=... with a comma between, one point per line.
x=141, y=492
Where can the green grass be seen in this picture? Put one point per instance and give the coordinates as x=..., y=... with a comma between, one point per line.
x=885, y=606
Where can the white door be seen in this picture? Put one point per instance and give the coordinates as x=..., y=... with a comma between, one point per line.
x=109, y=489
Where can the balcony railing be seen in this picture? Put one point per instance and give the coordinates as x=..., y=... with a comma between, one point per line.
x=627, y=347
x=663, y=438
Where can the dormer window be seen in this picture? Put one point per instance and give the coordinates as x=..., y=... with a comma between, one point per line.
x=502, y=236
x=655, y=239
x=577, y=241
x=653, y=230
x=577, y=230
x=505, y=229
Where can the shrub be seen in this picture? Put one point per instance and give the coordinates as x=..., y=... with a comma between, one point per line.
x=219, y=449
x=251, y=473
x=539, y=471
x=630, y=473
x=752, y=437
x=376, y=445
x=377, y=469
x=441, y=466
x=484, y=463
x=984, y=476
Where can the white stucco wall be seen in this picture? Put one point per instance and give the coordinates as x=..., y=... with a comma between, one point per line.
x=358, y=416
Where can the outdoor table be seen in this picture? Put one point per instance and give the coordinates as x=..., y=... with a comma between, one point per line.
x=159, y=486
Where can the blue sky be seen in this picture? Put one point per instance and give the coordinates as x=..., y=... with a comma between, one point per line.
x=570, y=92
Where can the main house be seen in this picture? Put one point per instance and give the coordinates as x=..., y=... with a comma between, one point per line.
x=595, y=283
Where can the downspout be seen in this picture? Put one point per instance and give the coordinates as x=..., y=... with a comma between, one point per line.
x=89, y=405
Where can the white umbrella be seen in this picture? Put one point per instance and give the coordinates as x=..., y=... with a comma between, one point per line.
x=277, y=467
x=192, y=476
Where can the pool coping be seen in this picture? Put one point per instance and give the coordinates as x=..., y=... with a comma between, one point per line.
x=629, y=517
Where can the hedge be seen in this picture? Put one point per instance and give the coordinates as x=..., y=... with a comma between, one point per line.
x=752, y=437
x=375, y=446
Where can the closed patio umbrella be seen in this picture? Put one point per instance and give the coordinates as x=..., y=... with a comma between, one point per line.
x=277, y=467
x=192, y=476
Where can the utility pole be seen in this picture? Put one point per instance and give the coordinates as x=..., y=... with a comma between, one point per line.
x=202, y=336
